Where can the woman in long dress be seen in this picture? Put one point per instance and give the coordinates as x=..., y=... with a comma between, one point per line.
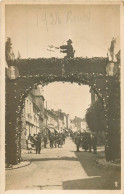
x=29, y=146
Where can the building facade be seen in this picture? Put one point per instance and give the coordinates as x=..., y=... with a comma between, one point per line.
x=33, y=115
x=56, y=121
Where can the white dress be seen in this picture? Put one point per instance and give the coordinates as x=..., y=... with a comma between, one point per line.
x=29, y=144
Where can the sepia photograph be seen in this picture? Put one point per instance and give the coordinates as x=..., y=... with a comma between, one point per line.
x=62, y=96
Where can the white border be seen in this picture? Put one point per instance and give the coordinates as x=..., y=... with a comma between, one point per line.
x=2, y=98
x=2, y=91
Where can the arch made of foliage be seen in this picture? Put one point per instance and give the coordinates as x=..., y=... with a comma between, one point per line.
x=18, y=90
x=87, y=71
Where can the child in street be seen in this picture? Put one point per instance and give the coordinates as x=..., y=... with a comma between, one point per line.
x=29, y=145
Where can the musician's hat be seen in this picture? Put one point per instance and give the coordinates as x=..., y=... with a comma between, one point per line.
x=69, y=40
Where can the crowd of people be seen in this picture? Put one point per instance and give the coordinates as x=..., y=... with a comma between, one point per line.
x=54, y=140
x=57, y=140
x=34, y=142
x=86, y=140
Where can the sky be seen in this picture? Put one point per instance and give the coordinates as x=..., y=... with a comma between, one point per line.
x=73, y=99
x=91, y=27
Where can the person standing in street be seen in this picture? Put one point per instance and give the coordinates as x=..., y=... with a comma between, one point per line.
x=78, y=141
x=57, y=139
x=29, y=145
x=85, y=141
x=45, y=141
x=61, y=140
x=51, y=140
x=94, y=142
x=63, y=137
x=89, y=142
x=38, y=143
x=54, y=140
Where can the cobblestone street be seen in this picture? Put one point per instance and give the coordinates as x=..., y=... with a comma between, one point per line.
x=61, y=169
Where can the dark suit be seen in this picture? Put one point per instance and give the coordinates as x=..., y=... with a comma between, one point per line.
x=38, y=144
x=78, y=141
x=67, y=49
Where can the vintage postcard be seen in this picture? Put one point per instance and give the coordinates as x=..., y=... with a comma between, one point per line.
x=61, y=92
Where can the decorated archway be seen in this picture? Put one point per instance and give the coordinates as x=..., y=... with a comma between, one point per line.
x=88, y=71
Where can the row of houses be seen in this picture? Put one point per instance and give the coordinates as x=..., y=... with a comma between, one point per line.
x=57, y=121
x=36, y=118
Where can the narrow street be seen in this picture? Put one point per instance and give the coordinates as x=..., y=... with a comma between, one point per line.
x=61, y=169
